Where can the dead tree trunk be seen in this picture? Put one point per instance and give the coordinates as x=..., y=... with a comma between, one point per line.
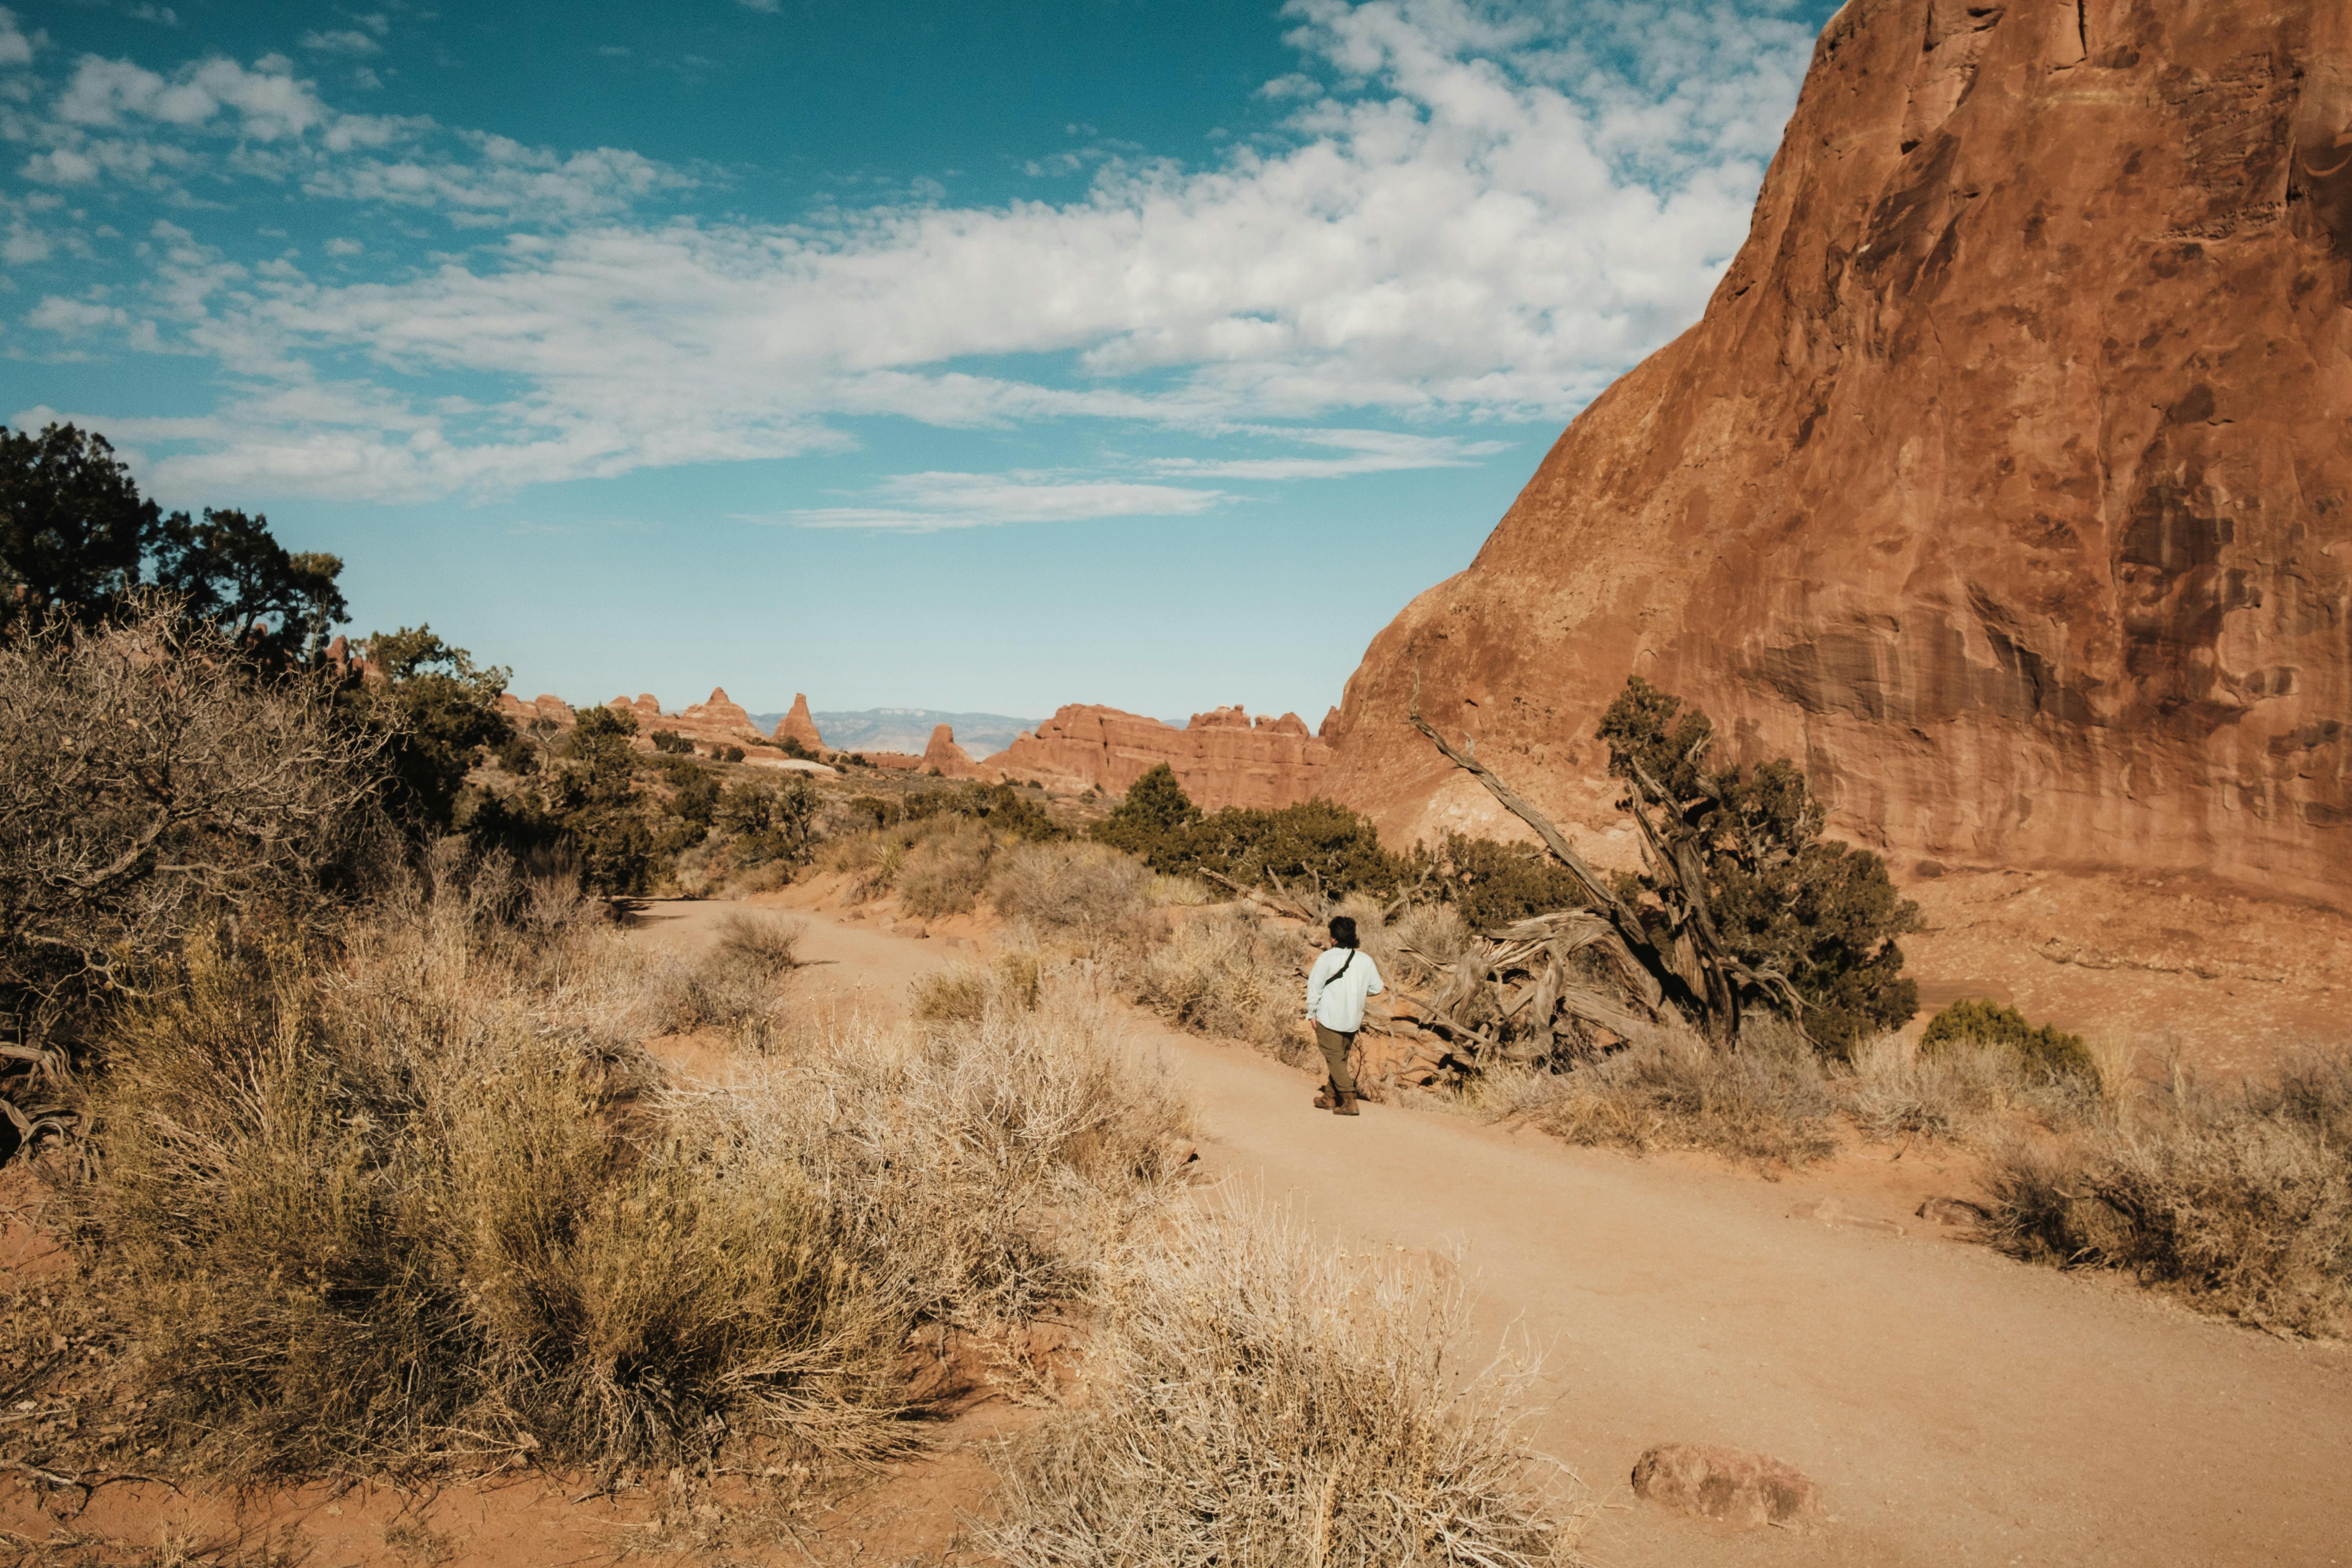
x=1691, y=967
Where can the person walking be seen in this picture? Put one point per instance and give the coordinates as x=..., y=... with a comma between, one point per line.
x=1336, y=989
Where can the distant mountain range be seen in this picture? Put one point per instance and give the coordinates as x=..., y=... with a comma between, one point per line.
x=909, y=728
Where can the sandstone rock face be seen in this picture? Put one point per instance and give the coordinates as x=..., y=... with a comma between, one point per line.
x=718, y=713
x=2006, y=484
x=1740, y=1488
x=520, y=714
x=1221, y=757
x=720, y=721
x=944, y=756
x=797, y=725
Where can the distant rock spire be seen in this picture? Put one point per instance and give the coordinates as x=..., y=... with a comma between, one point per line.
x=797, y=725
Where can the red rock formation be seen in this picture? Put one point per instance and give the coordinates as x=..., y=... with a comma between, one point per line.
x=718, y=714
x=797, y=725
x=521, y=714
x=1221, y=757
x=715, y=723
x=2007, y=483
x=646, y=709
x=946, y=758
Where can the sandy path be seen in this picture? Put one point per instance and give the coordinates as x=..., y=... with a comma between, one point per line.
x=1956, y=1407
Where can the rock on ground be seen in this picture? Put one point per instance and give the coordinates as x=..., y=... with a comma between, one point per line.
x=1728, y=1484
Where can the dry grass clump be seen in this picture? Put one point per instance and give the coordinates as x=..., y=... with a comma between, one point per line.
x=1962, y=1091
x=1430, y=939
x=968, y=993
x=1263, y=1403
x=1177, y=892
x=2240, y=1202
x=984, y=1165
x=1769, y=1100
x=1229, y=971
x=1087, y=892
x=763, y=944
x=425, y=1196
x=736, y=985
x=945, y=871
x=407, y=1203
x=937, y=864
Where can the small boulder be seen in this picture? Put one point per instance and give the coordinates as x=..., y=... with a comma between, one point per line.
x=1747, y=1490
x=1953, y=1211
x=915, y=929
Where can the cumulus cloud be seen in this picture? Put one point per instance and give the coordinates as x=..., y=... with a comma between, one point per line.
x=16, y=46
x=1472, y=212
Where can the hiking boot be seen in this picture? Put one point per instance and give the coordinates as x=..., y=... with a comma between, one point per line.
x=1347, y=1106
x=1326, y=1099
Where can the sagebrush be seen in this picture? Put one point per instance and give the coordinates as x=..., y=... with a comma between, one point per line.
x=1260, y=1402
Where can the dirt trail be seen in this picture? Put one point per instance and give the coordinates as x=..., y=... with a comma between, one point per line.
x=1956, y=1407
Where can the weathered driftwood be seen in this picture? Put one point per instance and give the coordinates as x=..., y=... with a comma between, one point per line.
x=1686, y=966
x=1538, y=993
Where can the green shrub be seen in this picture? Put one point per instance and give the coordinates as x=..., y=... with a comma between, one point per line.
x=1783, y=897
x=517, y=755
x=1154, y=808
x=671, y=743
x=1001, y=806
x=731, y=754
x=767, y=824
x=1317, y=844
x=2046, y=1053
x=1492, y=885
x=438, y=710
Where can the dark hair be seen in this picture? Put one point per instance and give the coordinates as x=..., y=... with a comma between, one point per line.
x=1343, y=930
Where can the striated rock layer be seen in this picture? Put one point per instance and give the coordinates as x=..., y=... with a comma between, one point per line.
x=718, y=721
x=2003, y=484
x=798, y=725
x=1222, y=758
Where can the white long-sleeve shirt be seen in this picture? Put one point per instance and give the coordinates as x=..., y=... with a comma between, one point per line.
x=1337, y=986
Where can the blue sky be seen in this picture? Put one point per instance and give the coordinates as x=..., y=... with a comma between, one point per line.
x=966, y=357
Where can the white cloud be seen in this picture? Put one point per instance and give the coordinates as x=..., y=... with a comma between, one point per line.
x=928, y=503
x=1472, y=215
x=73, y=318
x=1368, y=452
x=345, y=248
x=504, y=181
x=16, y=46
x=345, y=41
x=766, y=7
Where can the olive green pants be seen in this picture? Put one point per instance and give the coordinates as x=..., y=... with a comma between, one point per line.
x=1335, y=1055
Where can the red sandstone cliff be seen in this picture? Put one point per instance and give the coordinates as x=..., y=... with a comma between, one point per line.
x=1221, y=757
x=2004, y=483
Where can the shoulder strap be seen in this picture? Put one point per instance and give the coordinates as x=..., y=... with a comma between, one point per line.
x=1343, y=966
